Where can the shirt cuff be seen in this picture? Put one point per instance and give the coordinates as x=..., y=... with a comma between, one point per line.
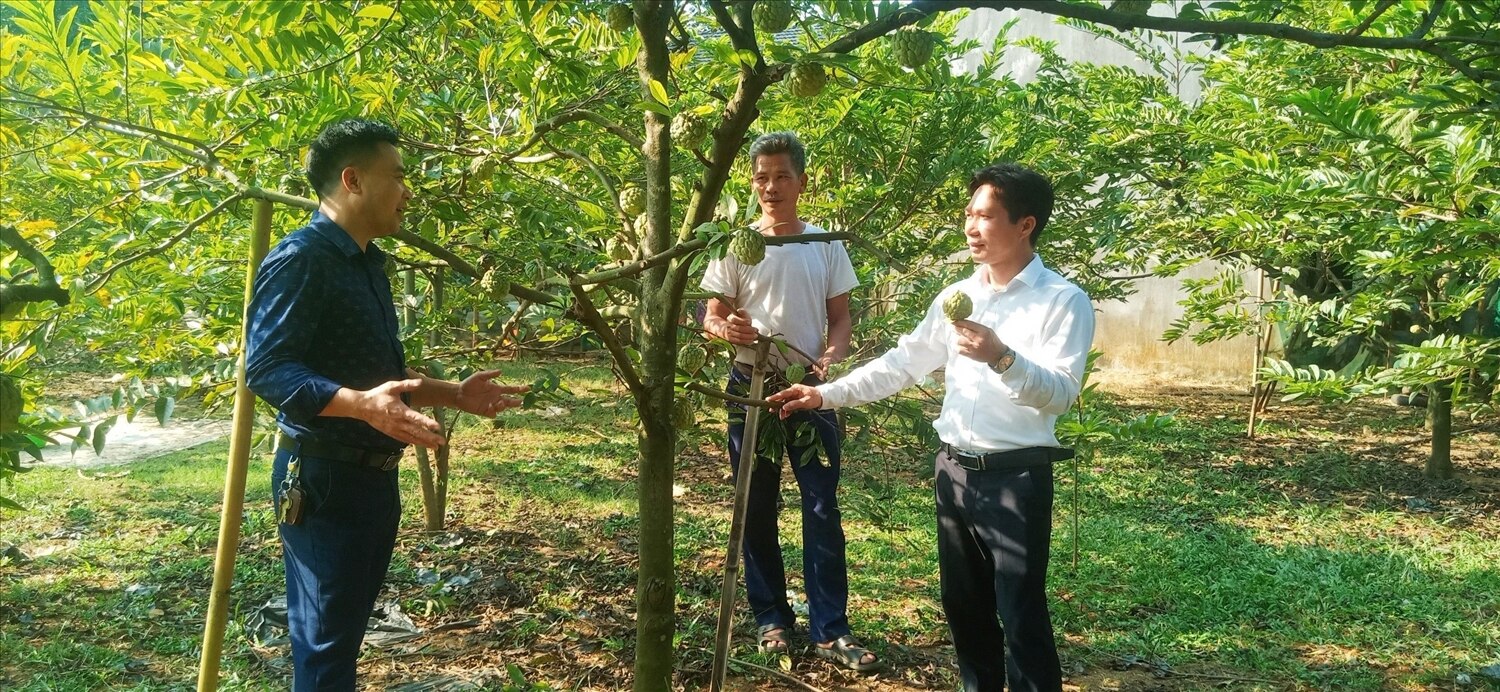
x=834, y=395
x=309, y=399
x=1015, y=377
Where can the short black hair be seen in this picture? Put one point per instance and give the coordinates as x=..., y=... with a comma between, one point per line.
x=1023, y=191
x=342, y=143
x=773, y=143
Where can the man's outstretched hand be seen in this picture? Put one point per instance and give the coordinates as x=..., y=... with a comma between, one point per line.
x=797, y=397
x=384, y=410
x=481, y=395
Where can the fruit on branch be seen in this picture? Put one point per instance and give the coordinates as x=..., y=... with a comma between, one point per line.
x=748, y=246
x=620, y=17
x=689, y=130
x=771, y=16
x=692, y=358
x=807, y=80
x=912, y=46
x=633, y=200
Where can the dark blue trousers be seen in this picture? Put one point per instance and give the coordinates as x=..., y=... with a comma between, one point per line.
x=824, y=570
x=335, y=561
x=994, y=538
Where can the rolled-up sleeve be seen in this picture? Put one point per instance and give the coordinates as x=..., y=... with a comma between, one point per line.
x=282, y=321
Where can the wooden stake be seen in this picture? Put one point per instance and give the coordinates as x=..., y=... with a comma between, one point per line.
x=737, y=524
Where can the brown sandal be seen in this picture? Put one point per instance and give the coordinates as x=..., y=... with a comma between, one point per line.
x=847, y=652
x=773, y=639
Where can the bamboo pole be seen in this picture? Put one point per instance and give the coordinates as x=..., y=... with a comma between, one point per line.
x=737, y=524
x=1260, y=297
x=234, y=481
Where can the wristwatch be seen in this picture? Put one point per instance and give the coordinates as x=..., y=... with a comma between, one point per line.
x=1003, y=363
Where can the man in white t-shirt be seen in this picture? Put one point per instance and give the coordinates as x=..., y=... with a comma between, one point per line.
x=1011, y=368
x=799, y=293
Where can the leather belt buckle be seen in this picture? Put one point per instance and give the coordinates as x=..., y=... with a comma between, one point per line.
x=965, y=460
x=386, y=463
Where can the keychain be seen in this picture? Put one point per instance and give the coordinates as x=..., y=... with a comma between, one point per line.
x=289, y=497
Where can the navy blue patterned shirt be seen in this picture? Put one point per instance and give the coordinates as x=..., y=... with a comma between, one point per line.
x=321, y=318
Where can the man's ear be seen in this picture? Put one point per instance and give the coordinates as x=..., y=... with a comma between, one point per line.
x=349, y=179
x=1028, y=226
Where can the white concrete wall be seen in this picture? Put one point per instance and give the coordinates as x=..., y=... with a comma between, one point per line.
x=1073, y=45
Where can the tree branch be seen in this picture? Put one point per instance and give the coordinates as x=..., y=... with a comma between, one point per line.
x=165, y=245
x=458, y=264
x=47, y=145
x=911, y=14
x=46, y=287
x=587, y=314
x=617, y=129
x=1374, y=15
x=723, y=396
x=203, y=153
x=1095, y=14
x=638, y=266
x=1427, y=21
x=741, y=32
x=462, y=266
x=680, y=249
x=572, y=116
x=12, y=237
x=604, y=180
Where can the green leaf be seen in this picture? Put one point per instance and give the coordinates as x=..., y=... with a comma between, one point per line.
x=376, y=12
x=164, y=407
x=659, y=93
x=100, y=432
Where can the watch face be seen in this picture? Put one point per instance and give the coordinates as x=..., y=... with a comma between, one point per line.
x=1003, y=363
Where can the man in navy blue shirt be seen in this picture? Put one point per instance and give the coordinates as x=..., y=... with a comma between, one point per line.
x=324, y=349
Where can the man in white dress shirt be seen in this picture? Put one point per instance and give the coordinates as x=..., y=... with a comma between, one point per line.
x=1010, y=369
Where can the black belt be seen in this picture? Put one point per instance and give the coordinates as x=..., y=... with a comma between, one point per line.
x=1011, y=459
x=384, y=461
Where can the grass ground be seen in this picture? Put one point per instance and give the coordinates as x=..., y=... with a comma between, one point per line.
x=1314, y=557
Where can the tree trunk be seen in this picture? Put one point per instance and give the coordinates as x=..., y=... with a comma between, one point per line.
x=408, y=306
x=433, y=471
x=1440, y=413
x=437, y=305
x=656, y=340
x=434, y=485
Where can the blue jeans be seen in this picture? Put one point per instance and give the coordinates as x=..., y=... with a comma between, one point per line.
x=824, y=569
x=335, y=561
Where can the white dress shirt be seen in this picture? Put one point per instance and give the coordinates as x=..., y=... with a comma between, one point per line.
x=1047, y=320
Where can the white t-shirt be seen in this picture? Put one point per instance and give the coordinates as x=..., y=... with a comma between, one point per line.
x=786, y=294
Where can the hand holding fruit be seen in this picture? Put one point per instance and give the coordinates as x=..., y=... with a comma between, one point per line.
x=978, y=341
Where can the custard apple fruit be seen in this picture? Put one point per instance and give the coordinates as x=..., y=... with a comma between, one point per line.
x=958, y=306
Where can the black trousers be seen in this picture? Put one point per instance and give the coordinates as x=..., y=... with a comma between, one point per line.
x=994, y=535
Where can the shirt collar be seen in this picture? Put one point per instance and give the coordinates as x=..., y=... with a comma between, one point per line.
x=1033, y=271
x=334, y=233
x=1029, y=275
